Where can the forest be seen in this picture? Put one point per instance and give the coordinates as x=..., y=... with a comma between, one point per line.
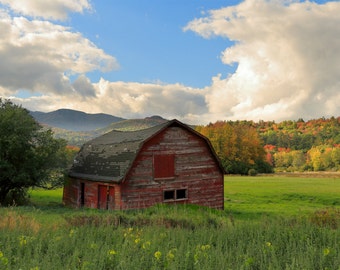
x=248, y=147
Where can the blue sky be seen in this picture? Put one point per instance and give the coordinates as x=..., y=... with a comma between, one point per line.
x=198, y=61
x=148, y=40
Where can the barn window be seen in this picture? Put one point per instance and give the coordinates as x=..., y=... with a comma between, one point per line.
x=181, y=194
x=164, y=166
x=169, y=195
x=176, y=194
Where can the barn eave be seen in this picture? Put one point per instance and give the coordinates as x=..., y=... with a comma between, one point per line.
x=96, y=178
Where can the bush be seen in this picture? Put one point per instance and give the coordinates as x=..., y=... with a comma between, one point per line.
x=252, y=172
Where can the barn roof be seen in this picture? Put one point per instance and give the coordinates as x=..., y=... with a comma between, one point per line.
x=109, y=157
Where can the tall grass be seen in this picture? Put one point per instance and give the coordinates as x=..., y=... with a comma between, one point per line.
x=156, y=239
x=268, y=223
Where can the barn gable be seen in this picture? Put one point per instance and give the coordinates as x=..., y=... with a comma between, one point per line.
x=110, y=156
x=169, y=162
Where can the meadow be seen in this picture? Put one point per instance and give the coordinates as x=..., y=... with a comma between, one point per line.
x=269, y=222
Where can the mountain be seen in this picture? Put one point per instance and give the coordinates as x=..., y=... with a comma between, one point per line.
x=79, y=137
x=75, y=120
x=133, y=124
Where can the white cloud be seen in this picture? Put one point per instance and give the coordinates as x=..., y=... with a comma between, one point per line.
x=47, y=9
x=288, y=59
x=287, y=56
x=128, y=100
x=41, y=56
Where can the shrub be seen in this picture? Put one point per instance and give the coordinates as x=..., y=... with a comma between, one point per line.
x=252, y=172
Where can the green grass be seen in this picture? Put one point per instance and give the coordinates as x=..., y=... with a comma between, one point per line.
x=255, y=197
x=268, y=223
x=40, y=197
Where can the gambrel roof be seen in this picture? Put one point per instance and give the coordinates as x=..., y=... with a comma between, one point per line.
x=109, y=157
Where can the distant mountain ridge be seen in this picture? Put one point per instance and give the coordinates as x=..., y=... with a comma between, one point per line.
x=73, y=120
x=77, y=127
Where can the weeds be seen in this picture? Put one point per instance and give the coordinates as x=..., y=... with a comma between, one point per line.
x=329, y=217
x=145, y=240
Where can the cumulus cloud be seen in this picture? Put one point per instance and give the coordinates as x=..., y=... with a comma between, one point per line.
x=129, y=100
x=56, y=9
x=287, y=56
x=41, y=56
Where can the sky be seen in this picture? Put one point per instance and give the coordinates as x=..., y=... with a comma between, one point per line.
x=198, y=61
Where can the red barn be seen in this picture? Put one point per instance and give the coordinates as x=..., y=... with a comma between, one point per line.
x=167, y=163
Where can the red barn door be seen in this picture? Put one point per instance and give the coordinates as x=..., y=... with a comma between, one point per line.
x=111, y=201
x=102, y=197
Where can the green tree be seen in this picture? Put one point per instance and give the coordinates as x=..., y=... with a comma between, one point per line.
x=29, y=155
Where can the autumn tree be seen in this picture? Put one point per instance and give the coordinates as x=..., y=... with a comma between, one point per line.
x=238, y=146
x=29, y=155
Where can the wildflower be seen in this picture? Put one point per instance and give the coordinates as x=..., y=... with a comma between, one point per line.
x=137, y=240
x=326, y=251
x=22, y=241
x=158, y=255
x=72, y=232
x=3, y=259
x=128, y=232
x=249, y=261
x=201, y=252
x=93, y=246
x=170, y=256
x=205, y=247
x=35, y=268
x=112, y=252
x=146, y=245
x=268, y=244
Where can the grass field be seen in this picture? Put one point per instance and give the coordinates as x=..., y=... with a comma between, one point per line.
x=269, y=222
x=254, y=197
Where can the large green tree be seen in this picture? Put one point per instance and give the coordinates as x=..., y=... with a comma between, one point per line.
x=29, y=155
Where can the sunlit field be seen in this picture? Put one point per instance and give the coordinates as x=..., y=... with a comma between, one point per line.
x=271, y=222
x=255, y=197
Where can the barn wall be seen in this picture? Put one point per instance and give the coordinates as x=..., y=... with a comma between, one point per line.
x=72, y=194
x=196, y=170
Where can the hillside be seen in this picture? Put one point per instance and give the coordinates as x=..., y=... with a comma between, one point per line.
x=289, y=146
x=133, y=124
x=75, y=120
x=78, y=138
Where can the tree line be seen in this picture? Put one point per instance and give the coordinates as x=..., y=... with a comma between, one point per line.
x=31, y=156
x=248, y=146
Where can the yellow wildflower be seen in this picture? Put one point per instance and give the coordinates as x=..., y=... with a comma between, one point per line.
x=158, y=255
x=171, y=254
x=146, y=245
x=326, y=251
x=22, y=240
x=72, y=232
x=3, y=259
x=112, y=252
x=137, y=240
x=205, y=247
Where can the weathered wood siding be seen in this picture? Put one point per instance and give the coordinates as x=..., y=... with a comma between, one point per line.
x=72, y=194
x=196, y=170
